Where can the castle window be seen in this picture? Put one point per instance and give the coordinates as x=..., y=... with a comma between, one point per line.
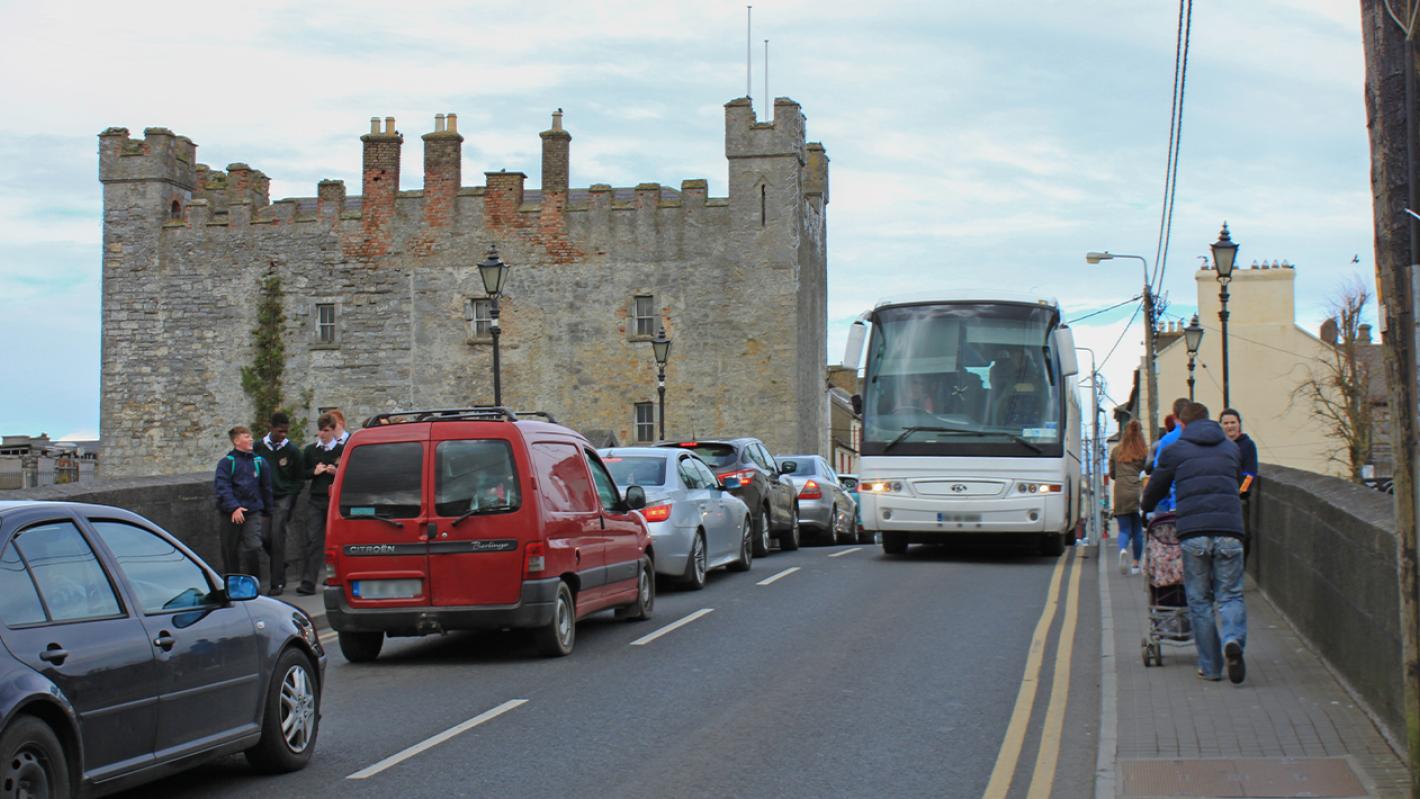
x=325, y=322
x=763, y=203
x=176, y=211
x=479, y=313
x=644, y=311
x=645, y=421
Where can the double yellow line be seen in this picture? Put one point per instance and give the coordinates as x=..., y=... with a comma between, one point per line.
x=1043, y=775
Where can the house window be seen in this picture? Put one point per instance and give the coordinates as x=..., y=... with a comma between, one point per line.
x=479, y=313
x=325, y=322
x=645, y=421
x=645, y=314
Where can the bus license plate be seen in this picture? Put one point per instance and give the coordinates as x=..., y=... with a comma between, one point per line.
x=958, y=517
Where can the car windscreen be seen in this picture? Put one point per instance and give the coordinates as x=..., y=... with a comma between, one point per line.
x=384, y=480
x=642, y=471
x=717, y=455
x=474, y=476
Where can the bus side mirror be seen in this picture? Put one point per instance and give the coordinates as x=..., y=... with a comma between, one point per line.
x=853, y=353
x=857, y=400
x=1065, y=347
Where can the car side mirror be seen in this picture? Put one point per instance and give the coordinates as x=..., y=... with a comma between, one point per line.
x=635, y=497
x=730, y=484
x=857, y=401
x=241, y=587
x=788, y=467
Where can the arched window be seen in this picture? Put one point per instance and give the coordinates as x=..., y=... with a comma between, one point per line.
x=176, y=211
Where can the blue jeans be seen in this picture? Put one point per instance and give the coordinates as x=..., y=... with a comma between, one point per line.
x=1131, y=528
x=1213, y=578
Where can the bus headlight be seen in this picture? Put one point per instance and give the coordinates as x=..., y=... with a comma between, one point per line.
x=881, y=486
x=1039, y=488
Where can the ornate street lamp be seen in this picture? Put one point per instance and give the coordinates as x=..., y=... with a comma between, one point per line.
x=1150, y=366
x=661, y=349
x=1225, y=253
x=494, y=272
x=1192, y=337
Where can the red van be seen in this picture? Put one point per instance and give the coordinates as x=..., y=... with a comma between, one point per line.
x=474, y=519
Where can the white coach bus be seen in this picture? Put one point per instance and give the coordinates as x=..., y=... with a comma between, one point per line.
x=971, y=420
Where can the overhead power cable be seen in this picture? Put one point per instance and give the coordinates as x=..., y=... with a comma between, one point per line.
x=1135, y=298
x=1180, y=85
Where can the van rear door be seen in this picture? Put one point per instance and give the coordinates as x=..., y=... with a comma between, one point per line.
x=377, y=527
x=480, y=514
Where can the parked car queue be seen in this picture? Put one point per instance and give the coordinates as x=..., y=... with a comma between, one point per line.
x=458, y=519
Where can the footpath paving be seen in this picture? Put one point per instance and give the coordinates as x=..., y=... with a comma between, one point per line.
x=1290, y=729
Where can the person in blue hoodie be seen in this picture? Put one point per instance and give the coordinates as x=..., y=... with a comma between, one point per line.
x=243, y=489
x=1203, y=466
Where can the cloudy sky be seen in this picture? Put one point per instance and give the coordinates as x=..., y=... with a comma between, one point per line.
x=972, y=143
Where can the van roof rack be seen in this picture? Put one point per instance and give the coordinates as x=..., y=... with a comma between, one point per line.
x=478, y=413
x=543, y=414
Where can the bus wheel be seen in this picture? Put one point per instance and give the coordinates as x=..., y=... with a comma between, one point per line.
x=894, y=543
x=1052, y=544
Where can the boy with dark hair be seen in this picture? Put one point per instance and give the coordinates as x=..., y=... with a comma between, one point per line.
x=1205, y=464
x=243, y=490
x=321, y=461
x=288, y=475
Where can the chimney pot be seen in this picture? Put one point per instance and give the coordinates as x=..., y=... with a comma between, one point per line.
x=374, y=126
x=438, y=123
x=557, y=119
x=452, y=121
x=389, y=126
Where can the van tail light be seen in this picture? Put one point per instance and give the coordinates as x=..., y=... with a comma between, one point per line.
x=657, y=513
x=537, y=558
x=743, y=475
x=331, y=577
x=811, y=491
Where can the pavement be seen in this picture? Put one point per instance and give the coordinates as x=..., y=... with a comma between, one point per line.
x=1290, y=729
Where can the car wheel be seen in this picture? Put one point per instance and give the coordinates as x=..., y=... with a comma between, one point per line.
x=835, y=534
x=645, y=603
x=557, y=637
x=746, y=558
x=894, y=543
x=34, y=763
x=361, y=647
x=292, y=718
x=789, y=541
x=761, y=534
x=694, y=577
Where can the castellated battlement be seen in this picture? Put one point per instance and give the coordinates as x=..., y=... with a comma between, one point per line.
x=383, y=301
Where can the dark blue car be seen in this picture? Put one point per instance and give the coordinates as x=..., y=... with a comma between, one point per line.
x=126, y=658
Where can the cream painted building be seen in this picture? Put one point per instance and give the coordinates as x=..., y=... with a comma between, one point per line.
x=1269, y=356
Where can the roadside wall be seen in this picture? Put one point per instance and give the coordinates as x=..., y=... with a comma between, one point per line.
x=1324, y=551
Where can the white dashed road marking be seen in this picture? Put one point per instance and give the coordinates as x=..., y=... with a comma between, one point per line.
x=785, y=573
x=672, y=627
x=846, y=552
x=429, y=743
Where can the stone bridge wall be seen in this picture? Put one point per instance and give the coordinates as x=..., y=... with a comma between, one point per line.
x=1324, y=551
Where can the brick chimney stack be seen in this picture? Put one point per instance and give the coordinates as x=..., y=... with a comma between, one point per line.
x=381, y=169
x=556, y=144
x=443, y=169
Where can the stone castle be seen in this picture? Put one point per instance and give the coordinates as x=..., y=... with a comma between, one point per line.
x=385, y=309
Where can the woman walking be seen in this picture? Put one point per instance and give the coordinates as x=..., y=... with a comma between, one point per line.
x=1126, y=461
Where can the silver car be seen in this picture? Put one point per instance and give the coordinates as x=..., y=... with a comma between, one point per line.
x=825, y=507
x=696, y=524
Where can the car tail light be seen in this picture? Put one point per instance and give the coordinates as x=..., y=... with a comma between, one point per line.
x=657, y=513
x=811, y=491
x=331, y=578
x=743, y=475
x=537, y=558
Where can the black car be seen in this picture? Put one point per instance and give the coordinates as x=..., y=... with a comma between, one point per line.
x=126, y=658
x=771, y=497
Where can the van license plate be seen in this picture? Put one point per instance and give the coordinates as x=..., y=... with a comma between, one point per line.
x=385, y=589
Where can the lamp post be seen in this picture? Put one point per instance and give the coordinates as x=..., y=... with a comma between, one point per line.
x=1096, y=485
x=1225, y=253
x=1152, y=367
x=494, y=272
x=661, y=349
x=1192, y=337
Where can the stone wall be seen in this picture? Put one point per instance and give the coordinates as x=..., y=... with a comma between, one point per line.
x=1324, y=551
x=738, y=282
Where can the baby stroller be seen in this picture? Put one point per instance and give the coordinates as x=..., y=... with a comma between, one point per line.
x=1168, y=605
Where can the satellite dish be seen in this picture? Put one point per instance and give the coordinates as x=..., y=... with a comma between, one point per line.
x=1328, y=331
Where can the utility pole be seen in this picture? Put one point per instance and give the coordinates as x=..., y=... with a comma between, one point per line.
x=1388, y=33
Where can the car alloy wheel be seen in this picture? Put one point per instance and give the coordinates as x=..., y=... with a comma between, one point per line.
x=298, y=708
x=762, y=544
x=695, y=566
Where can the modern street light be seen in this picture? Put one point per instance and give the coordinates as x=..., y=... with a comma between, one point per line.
x=494, y=272
x=1225, y=253
x=1192, y=337
x=1152, y=367
x=661, y=349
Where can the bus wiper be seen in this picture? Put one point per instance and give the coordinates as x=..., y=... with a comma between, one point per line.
x=1015, y=438
x=925, y=429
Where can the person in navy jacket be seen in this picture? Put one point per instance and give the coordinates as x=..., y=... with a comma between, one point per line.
x=243, y=488
x=1203, y=467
